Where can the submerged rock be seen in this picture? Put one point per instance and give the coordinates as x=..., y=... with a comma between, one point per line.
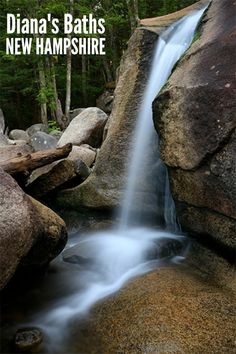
x=26, y=226
x=28, y=339
x=195, y=115
x=86, y=128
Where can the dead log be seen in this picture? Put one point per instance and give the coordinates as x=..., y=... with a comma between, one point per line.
x=27, y=163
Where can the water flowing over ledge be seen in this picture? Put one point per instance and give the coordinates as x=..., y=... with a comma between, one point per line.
x=104, y=262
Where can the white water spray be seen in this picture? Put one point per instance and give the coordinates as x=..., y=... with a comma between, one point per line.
x=103, y=262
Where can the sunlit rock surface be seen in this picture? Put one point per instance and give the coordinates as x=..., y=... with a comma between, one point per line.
x=86, y=128
x=195, y=115
x=181, y=309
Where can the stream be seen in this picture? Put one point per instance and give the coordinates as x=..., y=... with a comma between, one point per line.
x=94, y=266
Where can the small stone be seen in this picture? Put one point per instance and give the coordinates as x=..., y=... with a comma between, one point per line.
x=28, y=339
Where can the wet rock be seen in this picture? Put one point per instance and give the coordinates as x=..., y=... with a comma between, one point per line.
x=37, y=128
x=195, y=116
x=104, y=187
x=105, y=101
x=42, y=141
x=86, y=128
x=28, y=339
x=83, y=152
x=25, y=223
x=18, y=134
x=170, y=310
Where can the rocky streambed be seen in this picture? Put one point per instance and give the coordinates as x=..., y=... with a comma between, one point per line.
x=181, y=308
x=173, y=309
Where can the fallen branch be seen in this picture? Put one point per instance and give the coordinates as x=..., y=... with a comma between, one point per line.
x=30, y=162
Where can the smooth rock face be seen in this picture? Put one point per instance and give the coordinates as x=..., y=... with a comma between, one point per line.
x=83, y=152
x=18, y=226
x=174, y=310
x=195, y=115
x=18, y=134
x=104, y=187
x=42, y=141
x=37, y=128
x=86, y=128
x=50, y=240
x=25, y=223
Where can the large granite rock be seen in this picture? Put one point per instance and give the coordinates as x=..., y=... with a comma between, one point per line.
x=86, y=128
x=104, y=187
x=83, y=152
x=49, y=178
x=18, y=134
x=172, y=310
x=195, y=115
x=10, y=151
x=39, y=127
x=42, y=141
x=51, y=237
x=26, y=227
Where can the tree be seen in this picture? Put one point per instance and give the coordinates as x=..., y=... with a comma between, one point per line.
x=133, y=13
x=68, y=74
x=33, y=87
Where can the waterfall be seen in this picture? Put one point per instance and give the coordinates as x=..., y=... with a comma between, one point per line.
x=170, y=47
x=97, y=265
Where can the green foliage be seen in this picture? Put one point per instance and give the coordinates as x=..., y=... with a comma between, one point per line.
x=52, y=126
x=20, y=91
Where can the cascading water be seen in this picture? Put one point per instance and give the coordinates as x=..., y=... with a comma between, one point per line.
x=171, y=46
x=100, y=264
